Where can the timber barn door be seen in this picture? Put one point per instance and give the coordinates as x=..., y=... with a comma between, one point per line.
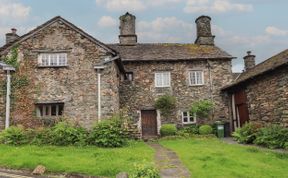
x=242, y=113
x=149, y=123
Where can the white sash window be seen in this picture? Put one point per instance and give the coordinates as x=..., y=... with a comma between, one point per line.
x=196, y=77
x=52, y=59
x=162, y=79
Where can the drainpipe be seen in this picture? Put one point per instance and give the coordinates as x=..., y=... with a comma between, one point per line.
x=99, y=69
x=8, y=93
x=8, y=69
x=211, y=83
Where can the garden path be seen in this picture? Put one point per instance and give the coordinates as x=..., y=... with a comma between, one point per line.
x=168, y=163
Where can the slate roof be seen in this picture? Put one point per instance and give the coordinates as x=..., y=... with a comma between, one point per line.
x=168, y=52
x=57, y=18
x=266, y=66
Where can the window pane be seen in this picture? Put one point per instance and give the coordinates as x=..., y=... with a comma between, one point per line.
x=53, y=59
x=158, y=79
x=60, y=109
x=53, y=110
x=185, y=113
x=47, y=110
x=44, y=60
x=166, y=79
x=62, y=59
x=185, y=119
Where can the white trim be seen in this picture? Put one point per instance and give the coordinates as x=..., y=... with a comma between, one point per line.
x=234, y=118
x=188, y=117
x=162, y=79
x=195, y=71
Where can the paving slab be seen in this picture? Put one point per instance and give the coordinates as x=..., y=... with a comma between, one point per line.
x=168, y=163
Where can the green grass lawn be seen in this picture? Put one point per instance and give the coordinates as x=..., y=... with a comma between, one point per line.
x=209, y=157
x=85, y=160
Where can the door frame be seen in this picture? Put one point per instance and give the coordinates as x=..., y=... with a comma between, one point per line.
x=158, y=120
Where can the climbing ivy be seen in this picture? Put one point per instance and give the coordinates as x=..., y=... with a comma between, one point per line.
x=18, y=81
x=166, y=104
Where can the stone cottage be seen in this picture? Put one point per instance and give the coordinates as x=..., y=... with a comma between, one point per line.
x=260, y=93
x=73, y=75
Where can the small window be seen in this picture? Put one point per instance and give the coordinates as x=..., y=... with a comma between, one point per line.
x=187, y=118
x=162, y=79
x=196, y=77
x=52, y=59
x=47, y=110
x=129, y=76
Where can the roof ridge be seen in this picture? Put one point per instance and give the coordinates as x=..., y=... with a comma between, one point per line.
x=47, y=23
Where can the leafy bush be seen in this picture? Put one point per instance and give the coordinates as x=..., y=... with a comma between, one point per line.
x=14, y=135
x=40, y=136
x=146, y=171
x=108, y=133
x=192, y=129
x=272, y=136
x=182, y=133
x=246, y=134
x=63, y=133
x=205, y=130
x=166, y=104
x=168, y=130
x=201, y=108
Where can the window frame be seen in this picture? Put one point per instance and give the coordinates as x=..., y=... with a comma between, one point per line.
x=43, y=108
x=195, y=72
x=61, y=59
x=129, y=74
x=188, y=118
x=162, y=79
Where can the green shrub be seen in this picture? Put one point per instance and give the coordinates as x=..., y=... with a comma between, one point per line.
x=14, y=135
x=146, y=171
x=40, y=136
x=168, y=130
x=64, y=133
x=192, y=129
x=108, y=133
x=182, y=133
x=202, y=108
x=272, y=136
x=246, y=134
x=166, y=104
x=205, y=130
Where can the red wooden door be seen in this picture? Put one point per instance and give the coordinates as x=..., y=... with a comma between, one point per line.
x=149, y=122
x=242, y=112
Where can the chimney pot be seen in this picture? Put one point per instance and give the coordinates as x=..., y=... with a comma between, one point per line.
x=13, y=30
x=249, y=60
x=204, y=34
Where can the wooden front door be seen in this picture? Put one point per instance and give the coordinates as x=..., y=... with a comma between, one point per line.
x=149, y=123
x=242, y=113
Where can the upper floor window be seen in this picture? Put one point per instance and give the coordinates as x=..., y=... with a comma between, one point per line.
x=196, y=77
x=162, y=79
x=129, y=76
x=47, y=110
x=188, y=118
x=52, y=59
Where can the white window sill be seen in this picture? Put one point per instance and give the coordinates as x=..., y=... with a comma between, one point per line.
x=40, y=66
x=197, y=85
x=188, y=123
x=162, y=86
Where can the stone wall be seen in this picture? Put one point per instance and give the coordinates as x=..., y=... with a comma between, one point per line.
x=141, y=93
x=75, y=85
x=268, y=98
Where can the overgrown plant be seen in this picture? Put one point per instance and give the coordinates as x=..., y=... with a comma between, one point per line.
x=166, y=104
x=168, y=130
x=246, y=134
x=108, y=133
x=14, y=135
x=145, y=171
x=272, y=136
x=202, y=108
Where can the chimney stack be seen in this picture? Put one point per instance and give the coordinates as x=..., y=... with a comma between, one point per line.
x=204, y=34
x=127, y=29
x=12, y=36
x=249, y=61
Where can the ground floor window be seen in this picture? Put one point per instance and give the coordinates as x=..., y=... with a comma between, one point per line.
x=51, y=109
x=188, y=118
